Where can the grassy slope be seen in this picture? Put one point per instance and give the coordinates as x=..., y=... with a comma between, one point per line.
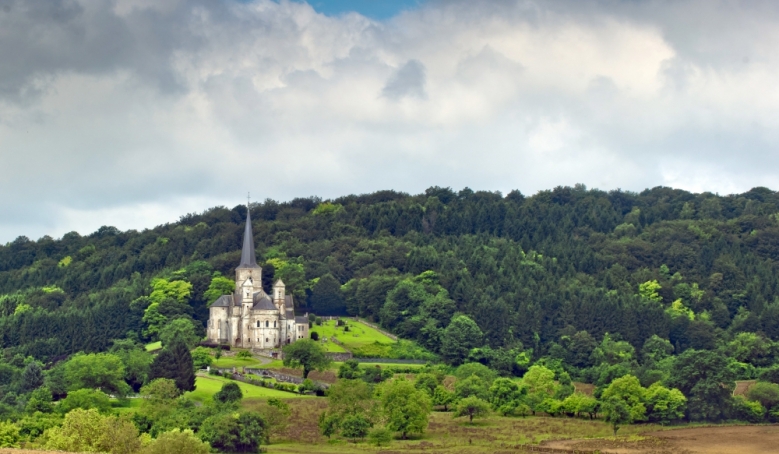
x=207, y=386
x=154, y=346
x=358, y=335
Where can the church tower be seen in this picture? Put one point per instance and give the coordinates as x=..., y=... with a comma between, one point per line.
x=248, y=281
x=279, y=295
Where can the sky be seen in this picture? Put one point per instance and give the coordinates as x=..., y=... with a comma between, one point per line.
x=132, y=113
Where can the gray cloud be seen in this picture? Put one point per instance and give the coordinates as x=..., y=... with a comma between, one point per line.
x=408, y=80
x=132, y=112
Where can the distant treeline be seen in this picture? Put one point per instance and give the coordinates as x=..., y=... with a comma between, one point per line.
x=531, y=272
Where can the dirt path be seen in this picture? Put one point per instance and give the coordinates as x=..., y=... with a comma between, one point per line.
x=702, y=440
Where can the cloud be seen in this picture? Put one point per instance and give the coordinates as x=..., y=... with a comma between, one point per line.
x=408, y=80
x=133, y=112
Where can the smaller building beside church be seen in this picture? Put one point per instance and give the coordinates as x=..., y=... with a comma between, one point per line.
x=250, y=318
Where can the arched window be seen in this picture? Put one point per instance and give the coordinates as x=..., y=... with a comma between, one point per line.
x=274, y=323
x=267, y=323
x=258, y=323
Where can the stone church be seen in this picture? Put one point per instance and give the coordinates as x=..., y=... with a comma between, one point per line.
x=250, y=318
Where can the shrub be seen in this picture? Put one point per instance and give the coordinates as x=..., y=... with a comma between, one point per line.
x=314, y=335
x=9, y=435
x=177, y=442
x=229, y=393
x=85, y=399
x=355, y=427
x=226, y=432
x=380, y=436
x=244, y=354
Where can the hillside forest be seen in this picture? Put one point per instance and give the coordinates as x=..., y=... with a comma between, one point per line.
x=664, y=285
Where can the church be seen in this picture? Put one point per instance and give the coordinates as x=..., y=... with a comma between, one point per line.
x=250, y=318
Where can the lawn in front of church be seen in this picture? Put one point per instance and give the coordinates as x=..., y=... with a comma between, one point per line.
x=358, y=335
x=208, y=385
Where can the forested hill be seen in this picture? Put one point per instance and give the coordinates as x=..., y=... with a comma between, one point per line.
x=532, y=272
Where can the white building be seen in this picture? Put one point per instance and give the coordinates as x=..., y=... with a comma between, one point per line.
x=250, y=318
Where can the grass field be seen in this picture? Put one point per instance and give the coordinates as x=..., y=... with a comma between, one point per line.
x=226, y=362
x=446, y=434
x=154, y=346
x=359, y=335
x=207, y=386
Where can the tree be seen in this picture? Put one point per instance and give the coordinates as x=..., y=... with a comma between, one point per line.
x=506, y=395
x=230, y=393
x=85, y=399
x=459, y=338
x=472, y=407
x=350, y=397
x=102, y=371
x=765, y=393
x=540, y=384
x=9, y=435
x=328, y=424
x=177, y=442
x=307, y=354
x=707, y=381
x=629, y=390
x=480, y=370
x=471, y=386
x=243, y=432
x=175, y=362
x=355, y=427
x=664, y=405
x=349, y=370
x=180, y=329
x=32, y=376
x=39, y=401
x=219, y=286
x=88, y=431
x=443, y=397
x=405, y=408
x=426, y=382
x=326, y=297
x=201, y=358
x=276, y=415
x=617, y=413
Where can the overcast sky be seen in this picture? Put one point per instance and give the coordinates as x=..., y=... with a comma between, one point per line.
x=133, y=112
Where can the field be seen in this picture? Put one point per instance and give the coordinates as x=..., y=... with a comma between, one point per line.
x=154, y=346
x=208, y=385
x=226, y=362
x=358, y=336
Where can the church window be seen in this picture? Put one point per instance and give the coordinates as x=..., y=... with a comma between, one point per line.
x=266, y=339
x=267, y=323
x=274, y=323
x=258, y=323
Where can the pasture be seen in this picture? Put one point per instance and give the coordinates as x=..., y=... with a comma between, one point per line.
x=208, y=385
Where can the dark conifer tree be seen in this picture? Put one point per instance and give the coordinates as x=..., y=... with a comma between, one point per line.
x=175, y=362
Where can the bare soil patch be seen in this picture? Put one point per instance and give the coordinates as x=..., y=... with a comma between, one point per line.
x=700, y=440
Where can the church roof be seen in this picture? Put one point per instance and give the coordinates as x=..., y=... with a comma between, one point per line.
x=263, y=303
x=248, y=256
x=223, y=301
x=301, y=320
x=279, y=283
x=290, y=314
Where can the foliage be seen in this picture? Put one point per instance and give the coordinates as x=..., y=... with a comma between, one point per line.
x=230, y=393
x=180, y=329
x=307, y=354
x=177, y=442
x=706, y=380
x=87, y=430
x=405, y=408
x=380, y=436
x=472, y=386
x=443, y=397
x=175, y=362
x=201, y=358
x=244, y=432
x=219, y=286
x=103, y=371
x=472, y=407
x=628, y=390
x=85, y=399
x=618, y=413
x=459, y=338
x=765, y=393
x=664, y=405
x=355, y=427
x=9, y=435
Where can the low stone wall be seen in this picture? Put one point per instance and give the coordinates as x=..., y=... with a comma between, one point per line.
x=276, y=375
x=340, y=357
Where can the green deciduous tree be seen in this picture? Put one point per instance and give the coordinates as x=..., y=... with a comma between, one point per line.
x=177, y=441
x=443, y=397
x=102, y=371
x=472, y=407
x=181, y=329
x=405, y=408
x=617, y=413
x=85, y=399
x=355, y=427
x=706, y=380
x=244, y=432
x=629, y=390
x=219, y=286
x=664, y=405
x=229, y=394
x=307, y=354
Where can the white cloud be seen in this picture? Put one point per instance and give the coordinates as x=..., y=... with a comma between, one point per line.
x=134, y=112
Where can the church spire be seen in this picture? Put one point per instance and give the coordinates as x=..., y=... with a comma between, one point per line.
x=248, y=257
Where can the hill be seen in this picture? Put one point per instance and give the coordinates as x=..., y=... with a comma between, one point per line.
x=560, y=268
